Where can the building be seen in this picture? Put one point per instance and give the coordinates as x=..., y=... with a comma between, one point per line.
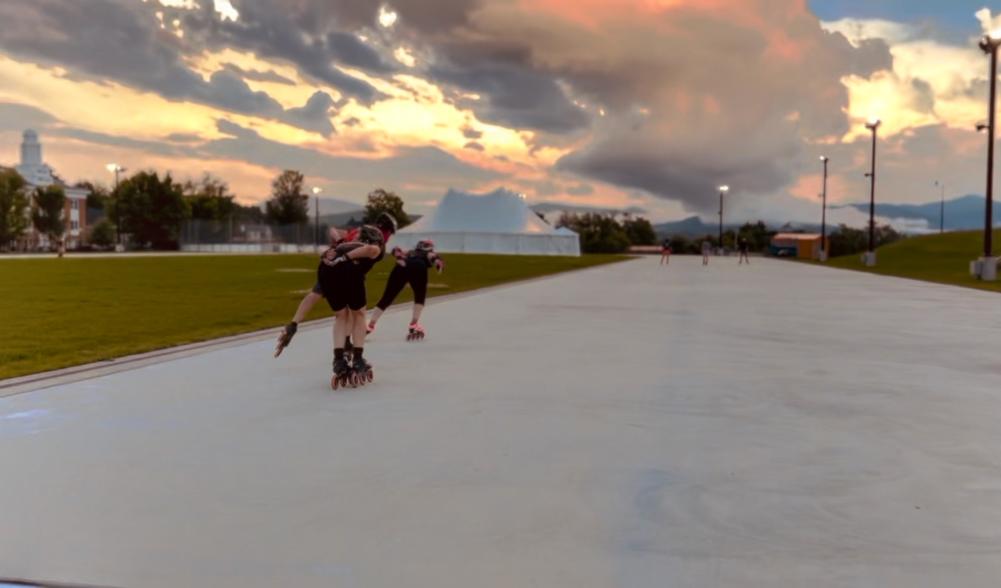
x=799, y=245
x=38, y=174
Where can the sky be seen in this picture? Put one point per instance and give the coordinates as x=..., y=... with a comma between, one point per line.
x=642, y=104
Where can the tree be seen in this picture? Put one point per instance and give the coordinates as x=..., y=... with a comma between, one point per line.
x=151, y=209
x=248, y=214
x=47, y=213
x=97, y=197
x=598, y=233
x=848, y=241
x=102, y=234
x=680, y=244
x=380, y=201
x=639, y=231
x=757, y=235
x=288, y=204
x=209, y=199
x=13, y=206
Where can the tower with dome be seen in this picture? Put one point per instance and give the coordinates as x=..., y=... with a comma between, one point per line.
x=39, y=174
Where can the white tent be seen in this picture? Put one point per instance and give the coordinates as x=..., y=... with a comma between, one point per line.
x=498, y=222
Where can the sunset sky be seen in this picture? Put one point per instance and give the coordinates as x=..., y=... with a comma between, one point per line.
x=609, y=103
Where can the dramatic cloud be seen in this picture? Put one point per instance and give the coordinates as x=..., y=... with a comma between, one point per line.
x=613, y=104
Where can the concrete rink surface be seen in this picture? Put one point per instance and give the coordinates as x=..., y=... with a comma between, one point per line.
x=778, y=425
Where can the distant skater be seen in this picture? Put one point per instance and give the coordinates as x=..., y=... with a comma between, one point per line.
x=706, y=250
x=411, y=268
x=744, y=246
x=665, y=252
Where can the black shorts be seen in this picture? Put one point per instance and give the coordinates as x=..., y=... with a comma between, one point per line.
x=343, y=286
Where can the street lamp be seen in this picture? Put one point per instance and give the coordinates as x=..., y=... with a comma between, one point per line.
x=722, y=190
x=316, y=220
x=870, y=257
x=988, y=263
x=116, y=169
x=941, y=212
x=823, y=213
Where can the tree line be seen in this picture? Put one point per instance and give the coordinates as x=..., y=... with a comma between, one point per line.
x=605, y=233
x=148, y=209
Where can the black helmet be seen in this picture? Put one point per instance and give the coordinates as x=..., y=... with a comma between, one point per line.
x=425, y=245
x=370, y=235
x=386, y=222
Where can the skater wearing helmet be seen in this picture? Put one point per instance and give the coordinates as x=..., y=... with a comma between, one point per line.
x=385, y=223
x=341, y=276
x=665, y=252
x=411, y=268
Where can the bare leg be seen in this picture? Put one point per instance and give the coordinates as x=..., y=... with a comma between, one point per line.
x=285, y=337
x=308, y=301
x=416, y=316
x=341, y=325
x=376, y=315
x=358, y=327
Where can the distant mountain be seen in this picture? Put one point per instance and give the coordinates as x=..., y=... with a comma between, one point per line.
x=560, y=207
x=965, y=212
x=344, y=219
x=334, y=206
x=692, y=226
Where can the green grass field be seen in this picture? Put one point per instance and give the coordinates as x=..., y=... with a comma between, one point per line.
x=58, y=313
x=937, y=258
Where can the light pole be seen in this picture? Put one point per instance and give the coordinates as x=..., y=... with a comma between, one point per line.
x=316, y=220
x=941, y=212
x=116, y=169
x=988, y=264
x=722, y=190
x=823, y=213
x=870, y=257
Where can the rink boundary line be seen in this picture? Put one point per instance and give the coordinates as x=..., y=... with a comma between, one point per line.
x=89, y=371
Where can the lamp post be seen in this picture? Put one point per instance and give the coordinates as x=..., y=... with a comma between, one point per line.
x=870, y=256
x=316, y=219
x=823, y=213
x=116, y=169
x=988, y=263
x=722, y=190
x=941, y=212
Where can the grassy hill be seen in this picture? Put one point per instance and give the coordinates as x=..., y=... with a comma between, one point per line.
x=944, y=259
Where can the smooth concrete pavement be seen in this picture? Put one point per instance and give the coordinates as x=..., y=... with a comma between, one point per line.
x=778, y=425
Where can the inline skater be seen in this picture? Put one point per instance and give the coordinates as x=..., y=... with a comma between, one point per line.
x=411, y=268
x=665, y=252
x=744, y=246
x=386, y=225
x=341, y=275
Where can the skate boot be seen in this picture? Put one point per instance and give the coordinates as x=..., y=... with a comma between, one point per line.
x=416, y=332
x=342, y=374
x=361, y=371
x=286, y=337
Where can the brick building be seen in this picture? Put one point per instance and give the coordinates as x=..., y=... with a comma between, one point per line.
x=39, y=175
